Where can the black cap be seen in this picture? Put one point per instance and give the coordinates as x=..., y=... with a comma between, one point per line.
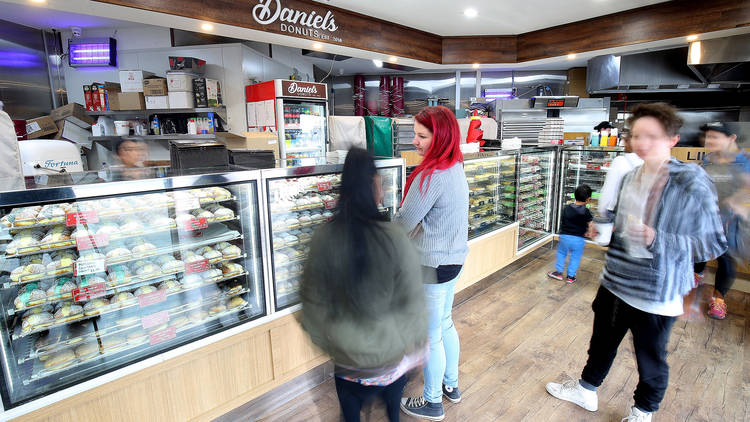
x=719, y=127
x=603, y=125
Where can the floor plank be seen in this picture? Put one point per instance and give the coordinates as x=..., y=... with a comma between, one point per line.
x=526, y=329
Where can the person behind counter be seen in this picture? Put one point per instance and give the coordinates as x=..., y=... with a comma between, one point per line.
x=434, y=211
x=362, y=299
x=131, y=153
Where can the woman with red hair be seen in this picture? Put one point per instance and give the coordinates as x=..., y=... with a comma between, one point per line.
x=435, y=212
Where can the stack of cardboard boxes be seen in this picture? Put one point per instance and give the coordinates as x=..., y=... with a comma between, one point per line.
x=67, y=122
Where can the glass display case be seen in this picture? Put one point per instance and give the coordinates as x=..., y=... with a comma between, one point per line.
x=101, y=276
x=535, y=189
x=492, y=193
x=301, y=199
x=584, y=165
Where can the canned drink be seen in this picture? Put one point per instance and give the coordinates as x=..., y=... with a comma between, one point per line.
x=204, y=125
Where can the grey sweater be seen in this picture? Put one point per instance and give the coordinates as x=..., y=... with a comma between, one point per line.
x=438, y=217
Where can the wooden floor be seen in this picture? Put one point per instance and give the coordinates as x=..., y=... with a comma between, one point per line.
x=526, y=330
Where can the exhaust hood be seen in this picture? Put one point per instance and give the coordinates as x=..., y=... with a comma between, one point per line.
x=721, y=60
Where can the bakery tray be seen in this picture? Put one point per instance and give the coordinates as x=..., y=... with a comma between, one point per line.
x=108, y=310
x=201, y=201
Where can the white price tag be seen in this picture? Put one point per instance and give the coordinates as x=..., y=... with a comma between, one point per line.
x=186, y=203
x=89, y=267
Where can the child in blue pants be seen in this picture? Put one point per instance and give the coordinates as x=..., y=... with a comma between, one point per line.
x=576, y=224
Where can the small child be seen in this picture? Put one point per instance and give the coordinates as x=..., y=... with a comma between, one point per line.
x=577, y=223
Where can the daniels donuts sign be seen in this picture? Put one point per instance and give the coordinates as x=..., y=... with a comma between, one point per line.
x=302, y=89
x=296, y=22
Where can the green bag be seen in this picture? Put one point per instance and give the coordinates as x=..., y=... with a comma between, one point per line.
x=379, y=136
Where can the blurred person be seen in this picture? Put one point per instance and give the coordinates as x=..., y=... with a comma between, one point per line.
x=575, y=226
x=433, y=211
x=620, y=166
x=362, y=300
x=729, y=168
x=131, y=154
x=667, y=217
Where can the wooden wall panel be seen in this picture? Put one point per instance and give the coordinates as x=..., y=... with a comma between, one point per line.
x=291, y=348
x=487, y=256
x=480, y=49
x=651, y=23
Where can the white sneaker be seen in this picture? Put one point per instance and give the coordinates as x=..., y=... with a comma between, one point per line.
x=636, y=415
x=573, y=392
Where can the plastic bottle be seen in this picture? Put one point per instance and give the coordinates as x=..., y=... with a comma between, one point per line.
x=594, y=141
x=104, y=172
x=155, y=126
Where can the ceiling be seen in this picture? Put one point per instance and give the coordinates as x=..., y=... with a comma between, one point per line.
x=36, y=17
x=496, y=17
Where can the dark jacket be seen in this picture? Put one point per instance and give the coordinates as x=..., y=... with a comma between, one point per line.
x=389, y=323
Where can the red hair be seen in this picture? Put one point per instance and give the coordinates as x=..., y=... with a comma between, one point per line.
x=445, y=149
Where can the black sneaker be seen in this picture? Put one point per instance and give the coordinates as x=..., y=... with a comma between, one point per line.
x=555, y=275
x=421, y=408
x=452, y=394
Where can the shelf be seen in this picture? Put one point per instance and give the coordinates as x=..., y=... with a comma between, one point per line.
x=303, y=149
x=171, y=137
x=217, y=110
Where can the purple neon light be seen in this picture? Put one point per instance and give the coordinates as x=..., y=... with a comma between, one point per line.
x=498, y=93
x=89, y=54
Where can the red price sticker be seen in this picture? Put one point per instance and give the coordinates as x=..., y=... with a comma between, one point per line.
x=162, y=336
x=322, y=186
x=195, y=224
x=593, y=167
x=84, y=217
x=89, y=242
x=155, y=319
x=152, y=298
x=330, y=204
x=86, y=267
x=197, y=266
x=89, y=292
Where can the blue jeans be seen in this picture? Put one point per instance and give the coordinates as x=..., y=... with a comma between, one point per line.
x=442, y=362
x=573, y=245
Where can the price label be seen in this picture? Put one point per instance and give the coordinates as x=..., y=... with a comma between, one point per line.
x=195, y=224
x=593, y=167
x=152, y=298
x=197, y=266
x=89, y=242
x=84, y=217
x=155, y=319
x=186, y=203
x=89, y=292
x=86, y=267
x=322, y=186
x=162, y=336
x=330, y=204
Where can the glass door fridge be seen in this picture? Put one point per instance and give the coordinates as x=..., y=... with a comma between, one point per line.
x=304, y=131
x=583, y=165
x=535, y=189
x=301, y=199
x=99, y=277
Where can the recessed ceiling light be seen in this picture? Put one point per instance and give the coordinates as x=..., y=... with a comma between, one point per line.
x=393, y=59
x=318, y=46
x=471, y=13
x=571, y=56
x=207, y=27
x=692, y=37
x=475, y=65
x=378, y=63
x=39, y=1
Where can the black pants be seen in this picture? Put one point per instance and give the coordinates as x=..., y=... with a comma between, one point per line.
x=352, y=395
x=612, y=319
x=725, y=273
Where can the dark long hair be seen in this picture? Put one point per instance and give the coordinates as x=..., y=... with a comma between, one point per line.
x=356, y=214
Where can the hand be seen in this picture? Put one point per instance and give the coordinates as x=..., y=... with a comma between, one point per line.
x=642, y=234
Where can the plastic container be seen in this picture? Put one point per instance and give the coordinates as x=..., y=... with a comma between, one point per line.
x=122, y=127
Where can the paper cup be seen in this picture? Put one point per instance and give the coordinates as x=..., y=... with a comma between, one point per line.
x=122, y=127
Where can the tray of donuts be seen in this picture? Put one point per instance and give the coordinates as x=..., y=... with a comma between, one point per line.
x=71, y=214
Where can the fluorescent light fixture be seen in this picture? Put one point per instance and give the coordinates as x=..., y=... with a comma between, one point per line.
x=471, y=13
x=207, y=27
x=39, y=1
x=475, y=65
x=695, y=52
x=498, y=93
x=692, y=37
x=571, y=56
x=393, y=59
x=378, y=63
x=92, y=52
x=318, y=46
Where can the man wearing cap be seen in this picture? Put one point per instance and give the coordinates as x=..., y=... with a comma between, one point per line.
x=729, y=168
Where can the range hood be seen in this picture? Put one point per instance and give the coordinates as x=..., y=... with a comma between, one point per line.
x=715, y=65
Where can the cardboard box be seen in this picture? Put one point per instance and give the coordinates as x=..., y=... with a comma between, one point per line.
x=187, y=64
x=575, y=138
x=207, y=92
x=98, y=99
x=40, y=127
x=72, y=132
x=127, y=101
x=180, y=81
x=87, y=97
x=74, y=113
x=132, y=80
x=266, y=141
x=155, y=87
x=157, y=102
x=181, y=100
x=412, y=158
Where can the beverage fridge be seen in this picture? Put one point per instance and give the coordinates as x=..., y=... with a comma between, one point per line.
x=297, y=111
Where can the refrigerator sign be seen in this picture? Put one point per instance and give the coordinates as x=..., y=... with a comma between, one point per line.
x=303, y=89
x=296, y=22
